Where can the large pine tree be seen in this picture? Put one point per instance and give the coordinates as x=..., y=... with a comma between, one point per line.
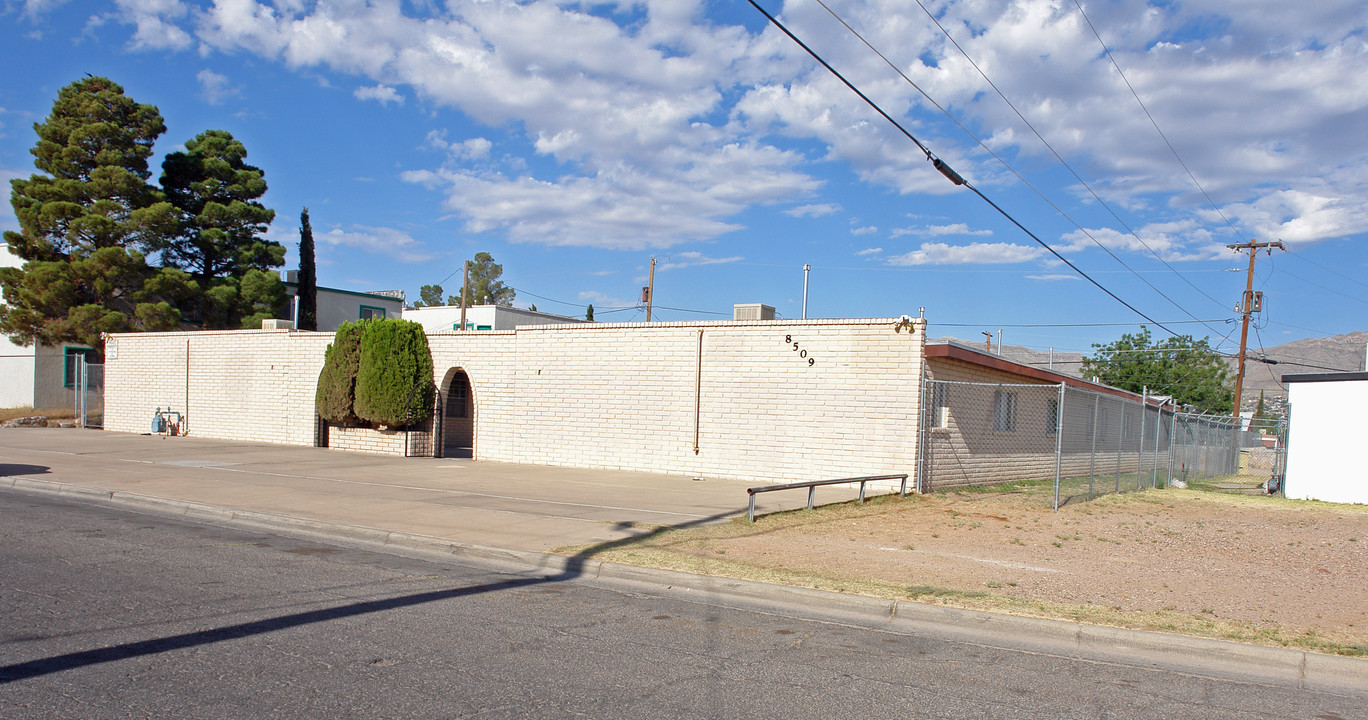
x=219, y=238
x=86, y=221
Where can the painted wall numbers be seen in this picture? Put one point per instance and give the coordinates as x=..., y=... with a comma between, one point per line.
x=802, y=354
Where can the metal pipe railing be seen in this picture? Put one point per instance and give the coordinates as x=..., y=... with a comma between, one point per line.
x=811, y=485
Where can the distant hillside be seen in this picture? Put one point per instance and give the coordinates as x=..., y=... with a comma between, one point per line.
x=1300, y=357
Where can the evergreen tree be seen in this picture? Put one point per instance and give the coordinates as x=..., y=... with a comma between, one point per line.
x=431, y=296
x=307, y=290
x=335, y=398
x=589, y=313
x=86, y=221
x=485, y=286
x=221, y=223
x=394, y=379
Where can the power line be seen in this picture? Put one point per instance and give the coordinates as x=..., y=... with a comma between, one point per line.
x=993, y=153
x=1304, y=259
x=1327, y=289
x=946, y=170
x=1071, y=325
x=1136, y=95
x=1052, y=150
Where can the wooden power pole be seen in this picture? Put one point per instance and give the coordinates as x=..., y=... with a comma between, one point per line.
x=465, y=283
x=1247, y=307
x=650, y=291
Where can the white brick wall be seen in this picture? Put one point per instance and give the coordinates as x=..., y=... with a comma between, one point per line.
x=614, y=396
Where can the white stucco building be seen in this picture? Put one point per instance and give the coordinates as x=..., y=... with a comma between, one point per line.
x=1324, y=459
x=443, y=318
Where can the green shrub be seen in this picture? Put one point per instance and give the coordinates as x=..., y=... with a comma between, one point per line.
x=335, y=398
x=394, y=381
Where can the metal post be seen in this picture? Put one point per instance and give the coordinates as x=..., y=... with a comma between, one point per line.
x=1092, y=460
x=1059, y=441
x=84, y=389
x=806, y=268
x=1140, y=444
x=1158, y=421
x=812, y=493
x=750, y=512
x=1173, y=430
x=1120, y=442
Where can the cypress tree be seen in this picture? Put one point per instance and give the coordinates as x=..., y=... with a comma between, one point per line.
x=308, y=276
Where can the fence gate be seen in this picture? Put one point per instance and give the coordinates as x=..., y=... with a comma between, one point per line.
x=89, y=395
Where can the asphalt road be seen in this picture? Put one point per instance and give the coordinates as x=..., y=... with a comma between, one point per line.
x=111, y=613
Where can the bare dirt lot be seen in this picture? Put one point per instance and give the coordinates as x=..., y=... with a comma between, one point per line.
x=1247, y=568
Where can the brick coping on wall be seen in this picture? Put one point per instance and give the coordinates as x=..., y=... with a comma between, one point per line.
x=819, y=322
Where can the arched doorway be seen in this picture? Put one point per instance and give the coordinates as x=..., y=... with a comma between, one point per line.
x=458, y=421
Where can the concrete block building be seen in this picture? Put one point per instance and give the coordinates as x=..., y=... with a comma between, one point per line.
x=755, y=400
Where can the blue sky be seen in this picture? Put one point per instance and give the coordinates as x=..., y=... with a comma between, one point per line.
x=574, y=141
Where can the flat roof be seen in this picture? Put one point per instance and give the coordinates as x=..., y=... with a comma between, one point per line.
x=1325, y=377
x=955, y=351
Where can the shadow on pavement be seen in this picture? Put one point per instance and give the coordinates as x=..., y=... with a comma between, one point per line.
x=71, y=661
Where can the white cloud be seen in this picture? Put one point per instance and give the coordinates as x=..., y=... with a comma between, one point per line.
x=471, y=149
x=869, y=251
x=37, y=8
x=1301, y=216
x=214, y=88
x=1053, y=277
x=154, y=22
x=1259, y=100
x=384, y=241
x=866, y=230
x=973, y=253
x=1172, y=241
x=621, y=208
x=940, y=231
x=817, y=210
x=382, y=94
x=678, y=261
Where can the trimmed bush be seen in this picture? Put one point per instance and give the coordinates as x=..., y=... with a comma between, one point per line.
x=335, y=398
x=394, y=381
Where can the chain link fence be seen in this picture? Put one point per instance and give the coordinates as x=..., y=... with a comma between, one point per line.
x=1068, y=444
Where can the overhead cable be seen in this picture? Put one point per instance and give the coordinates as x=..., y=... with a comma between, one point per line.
x=1012, y=169
x=949, y=172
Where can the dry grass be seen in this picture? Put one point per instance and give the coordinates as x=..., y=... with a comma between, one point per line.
x=7, y=414
x=959, y=550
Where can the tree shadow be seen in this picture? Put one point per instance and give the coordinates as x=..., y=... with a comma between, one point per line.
x=17, y=470
x=574, y=568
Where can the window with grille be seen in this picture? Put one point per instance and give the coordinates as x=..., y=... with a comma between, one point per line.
x=1004, y=411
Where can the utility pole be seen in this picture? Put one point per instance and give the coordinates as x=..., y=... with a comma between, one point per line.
x=465, y=283
x=650, y=291
x=987, y=341
x=1246, y=307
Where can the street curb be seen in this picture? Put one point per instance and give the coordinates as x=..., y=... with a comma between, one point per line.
x=1200, y=656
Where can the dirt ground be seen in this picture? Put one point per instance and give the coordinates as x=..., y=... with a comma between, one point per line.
x=1253, y=569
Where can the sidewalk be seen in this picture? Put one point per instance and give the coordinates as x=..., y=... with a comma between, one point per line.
x=520, y=507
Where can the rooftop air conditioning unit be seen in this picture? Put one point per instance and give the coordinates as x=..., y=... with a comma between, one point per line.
x=752, y=311
x=276, y=324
